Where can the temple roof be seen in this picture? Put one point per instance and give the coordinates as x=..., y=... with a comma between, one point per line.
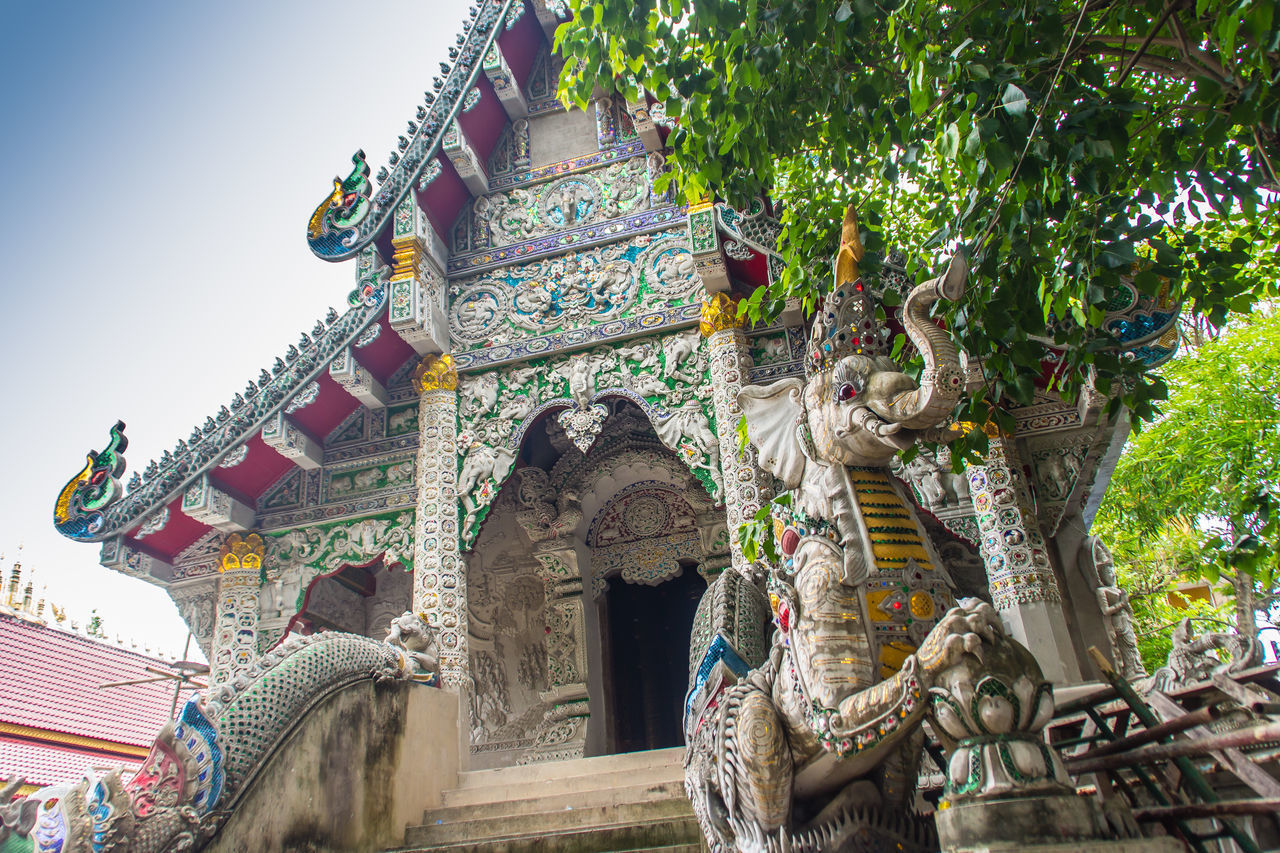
x=220, y=478
x=69, y=724
x=498, y=41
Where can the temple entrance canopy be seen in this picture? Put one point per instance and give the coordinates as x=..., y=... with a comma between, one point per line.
x=580, y=557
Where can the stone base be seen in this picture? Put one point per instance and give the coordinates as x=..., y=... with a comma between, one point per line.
x=1063, y=823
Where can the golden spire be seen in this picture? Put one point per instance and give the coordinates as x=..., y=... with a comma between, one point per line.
x=851, y=249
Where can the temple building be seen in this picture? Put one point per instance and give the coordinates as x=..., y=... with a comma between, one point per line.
x=86, y=715
x=524, y=430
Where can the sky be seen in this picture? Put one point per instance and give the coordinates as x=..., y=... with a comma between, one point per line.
x=163, y=159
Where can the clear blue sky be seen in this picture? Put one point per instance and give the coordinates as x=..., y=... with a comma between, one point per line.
x=163, y=159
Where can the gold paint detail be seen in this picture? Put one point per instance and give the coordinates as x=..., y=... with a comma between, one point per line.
x=851, y=249
x=894, y=537
x=765, y=757
x=50, y=736
x=892, y=656
x=702, y=202
x=720, y=312
x=241, y=553
x=406, y=257
x=873, y=605
x=435, y=373
x=62, y=511
x=315, y=227
x=921, y=605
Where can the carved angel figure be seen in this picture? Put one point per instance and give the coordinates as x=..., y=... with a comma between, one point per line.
x=1116, y=610
x=688, y=426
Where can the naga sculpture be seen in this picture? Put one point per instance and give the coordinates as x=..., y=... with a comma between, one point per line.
x=818, y=747
x=202, y=763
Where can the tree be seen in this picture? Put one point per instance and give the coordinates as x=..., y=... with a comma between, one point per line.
x=1197, y=493
x=1062, y=144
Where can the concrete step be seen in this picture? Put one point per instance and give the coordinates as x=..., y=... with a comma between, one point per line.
x=614, y=803
x=680, y=835
x=527, y=801
x=470, y=793
x=566, y=820
x=545, y=771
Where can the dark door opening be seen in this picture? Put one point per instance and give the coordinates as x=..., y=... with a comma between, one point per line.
x=649, y=640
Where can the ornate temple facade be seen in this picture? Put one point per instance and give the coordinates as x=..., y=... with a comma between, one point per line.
x=525, y=429
x=528, y=412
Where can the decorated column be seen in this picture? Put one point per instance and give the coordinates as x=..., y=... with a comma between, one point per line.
x=1023, y=586
x=563, y=732
x=745, y=486
x=439, y=576
x=235, y=637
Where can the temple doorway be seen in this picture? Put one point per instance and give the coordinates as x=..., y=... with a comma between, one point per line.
x=649, y=644
x=582, y=584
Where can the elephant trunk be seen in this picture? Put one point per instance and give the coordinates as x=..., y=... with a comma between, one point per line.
x=942, y=381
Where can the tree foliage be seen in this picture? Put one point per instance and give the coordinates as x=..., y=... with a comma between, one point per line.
x=1061, y=144
x=1197, y=493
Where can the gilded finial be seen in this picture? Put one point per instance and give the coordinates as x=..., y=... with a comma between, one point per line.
x=720, y=312
x=851, y=249
x=846, y=321
x=241, y=552
x=435, y=373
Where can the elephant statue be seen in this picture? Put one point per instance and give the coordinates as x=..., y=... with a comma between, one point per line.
x=819, y=745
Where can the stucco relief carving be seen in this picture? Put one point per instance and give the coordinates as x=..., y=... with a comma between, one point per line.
x=310, y=551
x=543, y=513
x=570, y=291
x=664, y=377
x=197, y=603
x=507, y=635
x=524, y=213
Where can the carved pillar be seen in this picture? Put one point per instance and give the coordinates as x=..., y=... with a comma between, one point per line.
x=745, y=485
x=235, y=638
x=563, y=732
x=1023, y=587
x=439, y=579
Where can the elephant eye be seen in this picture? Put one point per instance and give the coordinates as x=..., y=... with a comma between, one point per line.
x=851, y=389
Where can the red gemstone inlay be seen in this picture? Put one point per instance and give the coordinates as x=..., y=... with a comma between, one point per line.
x=790, y=540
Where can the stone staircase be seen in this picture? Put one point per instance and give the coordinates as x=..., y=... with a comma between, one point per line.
x=609, y=804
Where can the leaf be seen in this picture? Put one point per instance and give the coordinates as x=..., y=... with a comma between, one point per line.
x=1014, y=100
x=950, y=142
x=843, y=12
x=919, y=92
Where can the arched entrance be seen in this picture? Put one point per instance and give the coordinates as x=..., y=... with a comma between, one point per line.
x=615, y=538
x=355, y=599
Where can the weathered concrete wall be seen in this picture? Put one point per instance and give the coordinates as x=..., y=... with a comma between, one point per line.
x=360, y=768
